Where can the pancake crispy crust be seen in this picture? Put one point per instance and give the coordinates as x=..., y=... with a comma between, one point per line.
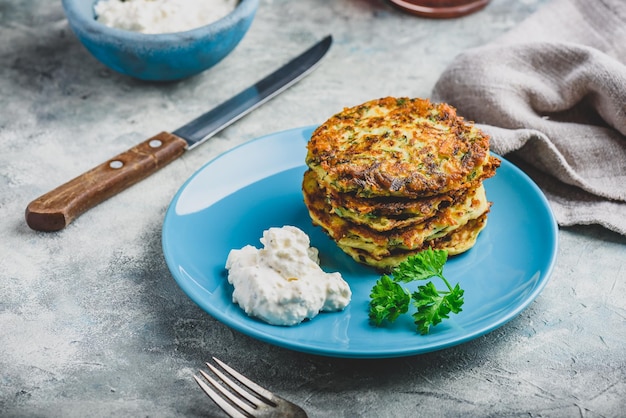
x=380, y=213
x=457, y=242
x=399, y=147
x=395, y=176
x=350, y=234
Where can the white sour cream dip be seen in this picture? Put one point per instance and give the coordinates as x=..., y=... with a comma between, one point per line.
x=282, y=283
x=161, y=16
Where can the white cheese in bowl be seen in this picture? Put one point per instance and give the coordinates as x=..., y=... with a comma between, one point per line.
x=282, y=283
x=161, y=16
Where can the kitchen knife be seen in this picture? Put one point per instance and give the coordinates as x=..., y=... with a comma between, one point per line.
x=54, y=210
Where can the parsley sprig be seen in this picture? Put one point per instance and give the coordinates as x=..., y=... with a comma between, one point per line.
x=389, y=299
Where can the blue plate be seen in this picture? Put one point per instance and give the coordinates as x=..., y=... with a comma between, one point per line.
x=230, y=201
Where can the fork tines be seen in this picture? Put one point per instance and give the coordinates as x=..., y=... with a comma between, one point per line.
x=231, y=397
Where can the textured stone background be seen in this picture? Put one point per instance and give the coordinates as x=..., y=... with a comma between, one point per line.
x=91, y=321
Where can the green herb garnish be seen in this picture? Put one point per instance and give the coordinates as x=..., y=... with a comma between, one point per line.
x=389, y=299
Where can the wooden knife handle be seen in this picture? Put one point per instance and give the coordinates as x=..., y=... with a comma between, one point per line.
x=56, y=209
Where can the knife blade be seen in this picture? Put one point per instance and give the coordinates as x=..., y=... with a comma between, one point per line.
x=56, y=209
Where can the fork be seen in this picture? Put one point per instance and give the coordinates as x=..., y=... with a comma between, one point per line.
x=252, y=402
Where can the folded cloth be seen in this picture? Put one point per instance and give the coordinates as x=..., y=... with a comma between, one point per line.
x=551, y=93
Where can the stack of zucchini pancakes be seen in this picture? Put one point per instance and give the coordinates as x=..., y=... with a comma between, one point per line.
x=394, y=176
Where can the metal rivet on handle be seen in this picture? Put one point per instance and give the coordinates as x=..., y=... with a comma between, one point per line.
x=155, y=143
x=116, y=164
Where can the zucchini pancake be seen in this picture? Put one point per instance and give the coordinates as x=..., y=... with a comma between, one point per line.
x=394, y=176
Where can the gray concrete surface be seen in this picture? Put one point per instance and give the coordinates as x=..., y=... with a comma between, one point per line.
x=92, y=323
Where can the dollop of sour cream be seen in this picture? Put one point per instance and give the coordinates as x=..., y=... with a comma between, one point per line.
x=161, y=16
x=282, y=283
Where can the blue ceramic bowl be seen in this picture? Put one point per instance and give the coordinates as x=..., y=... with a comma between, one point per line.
x=159, y=57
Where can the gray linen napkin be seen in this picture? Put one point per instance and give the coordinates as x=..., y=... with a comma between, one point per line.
x=551, y=93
